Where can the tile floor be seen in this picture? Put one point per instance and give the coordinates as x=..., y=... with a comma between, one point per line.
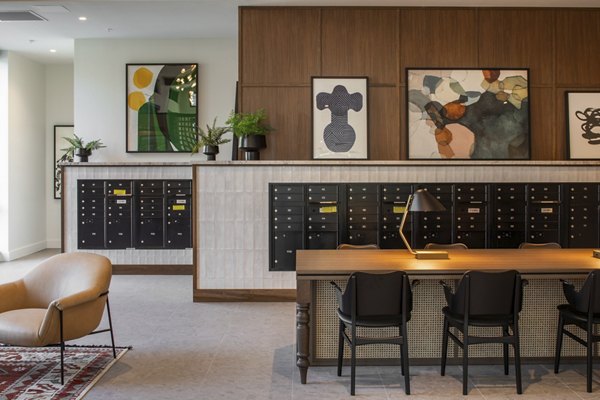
x=185, y=350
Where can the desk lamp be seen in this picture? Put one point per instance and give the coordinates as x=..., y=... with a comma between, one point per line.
x=422, y=200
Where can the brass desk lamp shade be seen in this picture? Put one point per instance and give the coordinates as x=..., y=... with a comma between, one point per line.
x=422, y=200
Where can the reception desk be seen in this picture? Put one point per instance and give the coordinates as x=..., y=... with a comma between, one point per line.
x=316, y=320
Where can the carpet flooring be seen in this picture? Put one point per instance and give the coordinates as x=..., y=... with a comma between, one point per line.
x=184, y=350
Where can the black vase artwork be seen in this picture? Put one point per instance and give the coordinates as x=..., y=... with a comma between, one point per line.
x=339, y=136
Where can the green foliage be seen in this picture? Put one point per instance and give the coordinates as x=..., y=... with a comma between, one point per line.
x=77, y=142
x=213, y=136
x=248, y=124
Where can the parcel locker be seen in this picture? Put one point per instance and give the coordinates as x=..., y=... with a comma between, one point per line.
x=90, y=214
x=393, y=206
x=582, y=214
x=434, y=227
x=544, y=213
x=179, y=222
x=362, y=214
x=118, y=233
x=286, y=225
x=322, y=199
x=508, y=215
x=471, y=215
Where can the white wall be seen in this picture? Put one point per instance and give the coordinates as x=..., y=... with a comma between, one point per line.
x=26, y=156
x=100, y=87
x=3, y=155
x=59, y=111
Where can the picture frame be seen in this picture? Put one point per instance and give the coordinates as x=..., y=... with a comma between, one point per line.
x=468, y=113
x=583, y=125
x=60, y=132
x=340, y=123
x=161, y=107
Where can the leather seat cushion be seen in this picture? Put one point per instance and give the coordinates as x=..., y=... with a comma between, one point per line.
x=21, y=327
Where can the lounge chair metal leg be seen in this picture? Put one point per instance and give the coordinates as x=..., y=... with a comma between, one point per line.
x=62, y=350
x=112, y=337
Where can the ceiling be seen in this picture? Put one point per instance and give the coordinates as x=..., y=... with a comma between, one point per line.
x=168, y=19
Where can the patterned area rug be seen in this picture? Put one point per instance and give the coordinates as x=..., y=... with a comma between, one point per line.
x=34, y=373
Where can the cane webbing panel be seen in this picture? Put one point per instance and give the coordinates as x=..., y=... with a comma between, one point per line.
x=538, y=324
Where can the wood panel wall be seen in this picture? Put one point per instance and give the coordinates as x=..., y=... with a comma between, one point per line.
x=281, y=48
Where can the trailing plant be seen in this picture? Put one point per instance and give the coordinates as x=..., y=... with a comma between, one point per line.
x=77, y=142
x=248, y=124
x=213, y=136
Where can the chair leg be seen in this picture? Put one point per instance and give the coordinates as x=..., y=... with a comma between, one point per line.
x=340, y=359
x=353, y=361
x=62, y=350
x=559, y=340
x=112, y=337
x=590, y=346
x=401, y=352
x=505, y=349
x=517, y=348
x=444, y=346
x=465, y=362
x=404, y=351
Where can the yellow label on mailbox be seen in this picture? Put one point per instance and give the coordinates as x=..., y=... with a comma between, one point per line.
x=178, y=207
x=328, y=209
x=119, y=191
x=399, y=210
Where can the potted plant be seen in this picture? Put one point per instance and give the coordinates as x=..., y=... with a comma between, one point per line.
x=81, y=149
x=210, y=140
x=250, y=129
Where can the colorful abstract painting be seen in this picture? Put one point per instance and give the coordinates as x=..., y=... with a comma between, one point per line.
x=478, y=114
x=162, y=109
x=583, y=125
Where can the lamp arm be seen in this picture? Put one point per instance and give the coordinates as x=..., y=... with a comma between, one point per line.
x=406, y=211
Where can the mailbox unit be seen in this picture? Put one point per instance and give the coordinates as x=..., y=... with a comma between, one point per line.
x=480, y=215
x=142, y=214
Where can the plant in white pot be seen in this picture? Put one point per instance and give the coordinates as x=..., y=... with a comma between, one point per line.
x=210, y=140
x=250, y=129
x=81, y=149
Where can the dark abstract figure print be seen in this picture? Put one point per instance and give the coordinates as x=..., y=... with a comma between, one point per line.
x=339, y=136
x=591, y=124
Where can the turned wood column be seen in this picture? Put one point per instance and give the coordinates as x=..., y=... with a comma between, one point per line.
x=303, y=296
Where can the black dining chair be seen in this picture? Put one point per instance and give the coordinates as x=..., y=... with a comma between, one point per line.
x=549, y=245
x=446, y=246
x=484, y=299
x=374, y=301
x=583, y=311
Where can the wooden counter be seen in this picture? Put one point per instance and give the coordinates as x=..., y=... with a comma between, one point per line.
x=315, y=268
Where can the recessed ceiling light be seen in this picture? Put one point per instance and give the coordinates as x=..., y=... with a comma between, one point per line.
x=82, y=18
x=52, y=50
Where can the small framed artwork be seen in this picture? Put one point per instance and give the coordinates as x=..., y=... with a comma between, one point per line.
x=339, y=115
x=162, y=107
x=60, y=133
x=468, y=114
x=583, y=125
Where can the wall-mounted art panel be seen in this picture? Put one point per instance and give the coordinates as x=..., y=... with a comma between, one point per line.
x=583, y=125
x=340, y=125
x=479, y=114
x=162, y=109
x=361, y=42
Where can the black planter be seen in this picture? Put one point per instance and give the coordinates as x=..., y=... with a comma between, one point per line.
x=83, y=154
x=252, y=145
x=211, y=152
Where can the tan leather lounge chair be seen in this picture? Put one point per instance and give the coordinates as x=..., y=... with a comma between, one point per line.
x=61, y=299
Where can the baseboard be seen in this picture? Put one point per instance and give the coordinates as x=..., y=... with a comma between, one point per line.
x=24, y=251
x=53, y=244
x=155, y=269
x=243, y=295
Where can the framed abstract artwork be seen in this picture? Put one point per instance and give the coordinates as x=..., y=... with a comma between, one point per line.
x=340, y=118
x=60, y=133
x=162, y=109
x=468, y=114
x=583, y=125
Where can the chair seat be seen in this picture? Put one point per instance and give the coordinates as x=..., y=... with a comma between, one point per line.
x=379, y=321
x=570, y=312
x=21, y=327
x=478, y=320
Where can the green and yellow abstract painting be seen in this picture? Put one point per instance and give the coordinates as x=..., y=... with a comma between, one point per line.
x=162, y=108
